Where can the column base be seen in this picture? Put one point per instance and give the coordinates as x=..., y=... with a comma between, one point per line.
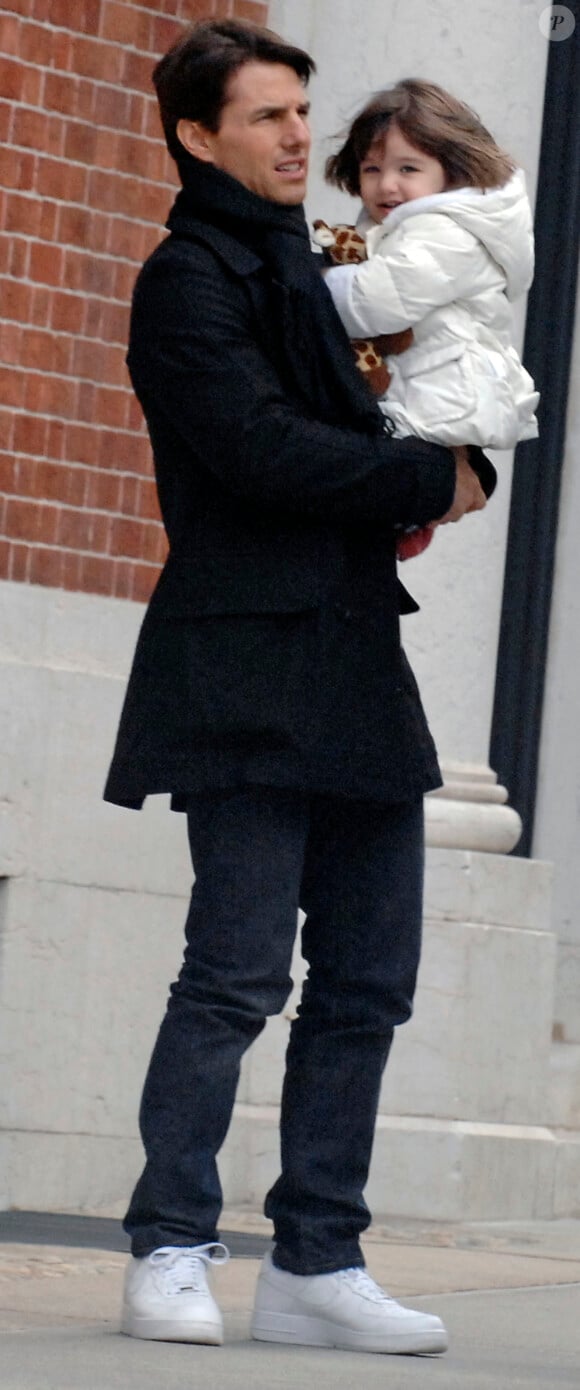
x=469, y=811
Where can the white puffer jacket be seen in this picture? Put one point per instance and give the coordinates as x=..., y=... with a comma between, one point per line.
x=449, y=266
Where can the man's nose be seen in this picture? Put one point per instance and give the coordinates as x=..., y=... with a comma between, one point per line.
x=296, y=131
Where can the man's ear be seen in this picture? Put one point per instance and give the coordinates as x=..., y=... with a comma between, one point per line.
x=196, y=139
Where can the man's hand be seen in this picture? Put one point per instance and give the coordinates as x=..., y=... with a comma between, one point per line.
x=469, y=494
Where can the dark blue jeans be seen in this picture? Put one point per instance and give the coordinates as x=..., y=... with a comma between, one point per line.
x=356, y=869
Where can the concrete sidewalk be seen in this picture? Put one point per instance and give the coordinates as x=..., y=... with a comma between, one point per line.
x=510, y=1295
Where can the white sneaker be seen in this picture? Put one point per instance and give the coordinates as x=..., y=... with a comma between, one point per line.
x=346, y=1310
x=167, y=1298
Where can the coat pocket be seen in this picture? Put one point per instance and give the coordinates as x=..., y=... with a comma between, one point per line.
x=240, y=583
x=227, y=656
x=441, y=395
x=231, y=681
x=467, y=400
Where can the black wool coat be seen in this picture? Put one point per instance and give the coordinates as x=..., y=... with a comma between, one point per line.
x=270, y=650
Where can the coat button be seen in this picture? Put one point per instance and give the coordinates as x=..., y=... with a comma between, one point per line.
x=343, y=612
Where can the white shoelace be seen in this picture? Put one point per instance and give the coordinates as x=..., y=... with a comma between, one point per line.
x=361, y=1282
x=183, y=1268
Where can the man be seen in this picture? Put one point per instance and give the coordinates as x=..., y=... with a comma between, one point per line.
x=270, y=696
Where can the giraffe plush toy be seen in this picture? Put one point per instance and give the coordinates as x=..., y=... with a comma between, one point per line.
x=346, y=246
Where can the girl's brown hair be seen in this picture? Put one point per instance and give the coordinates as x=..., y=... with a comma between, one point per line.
x=436, y=123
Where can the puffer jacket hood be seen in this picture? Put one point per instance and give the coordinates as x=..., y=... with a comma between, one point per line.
x=500, y=218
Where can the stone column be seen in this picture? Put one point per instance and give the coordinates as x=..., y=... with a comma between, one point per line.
x=557, y=825
x=452, y=643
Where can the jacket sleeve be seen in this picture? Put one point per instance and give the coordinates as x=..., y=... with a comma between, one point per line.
x=420, y=266
x=195, y=361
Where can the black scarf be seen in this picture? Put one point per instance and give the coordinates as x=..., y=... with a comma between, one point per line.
x=316, y=346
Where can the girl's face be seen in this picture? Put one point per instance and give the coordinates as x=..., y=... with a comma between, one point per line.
x=394, y=172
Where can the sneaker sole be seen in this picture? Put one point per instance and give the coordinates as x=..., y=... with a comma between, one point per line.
x=161, y=1330
x=316, y=1332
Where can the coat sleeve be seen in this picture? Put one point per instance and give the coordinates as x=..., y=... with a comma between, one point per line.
x=420, y=266
x=194, y=360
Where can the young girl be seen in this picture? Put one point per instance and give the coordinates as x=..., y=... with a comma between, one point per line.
x=449, y=246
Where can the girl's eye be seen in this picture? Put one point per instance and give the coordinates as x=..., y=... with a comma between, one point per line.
x=409, y=169
x=369, y=169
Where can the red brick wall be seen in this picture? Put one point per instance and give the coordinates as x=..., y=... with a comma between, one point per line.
x=85, y=188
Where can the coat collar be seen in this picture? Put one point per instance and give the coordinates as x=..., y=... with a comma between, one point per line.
x=235, y=255
x=215, y=208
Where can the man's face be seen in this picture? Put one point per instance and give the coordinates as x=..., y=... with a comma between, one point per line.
x=264, y=137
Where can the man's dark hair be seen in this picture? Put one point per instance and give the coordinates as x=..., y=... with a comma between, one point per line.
x=191, y=80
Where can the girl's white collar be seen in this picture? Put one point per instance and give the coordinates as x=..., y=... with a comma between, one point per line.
x=436, y=202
